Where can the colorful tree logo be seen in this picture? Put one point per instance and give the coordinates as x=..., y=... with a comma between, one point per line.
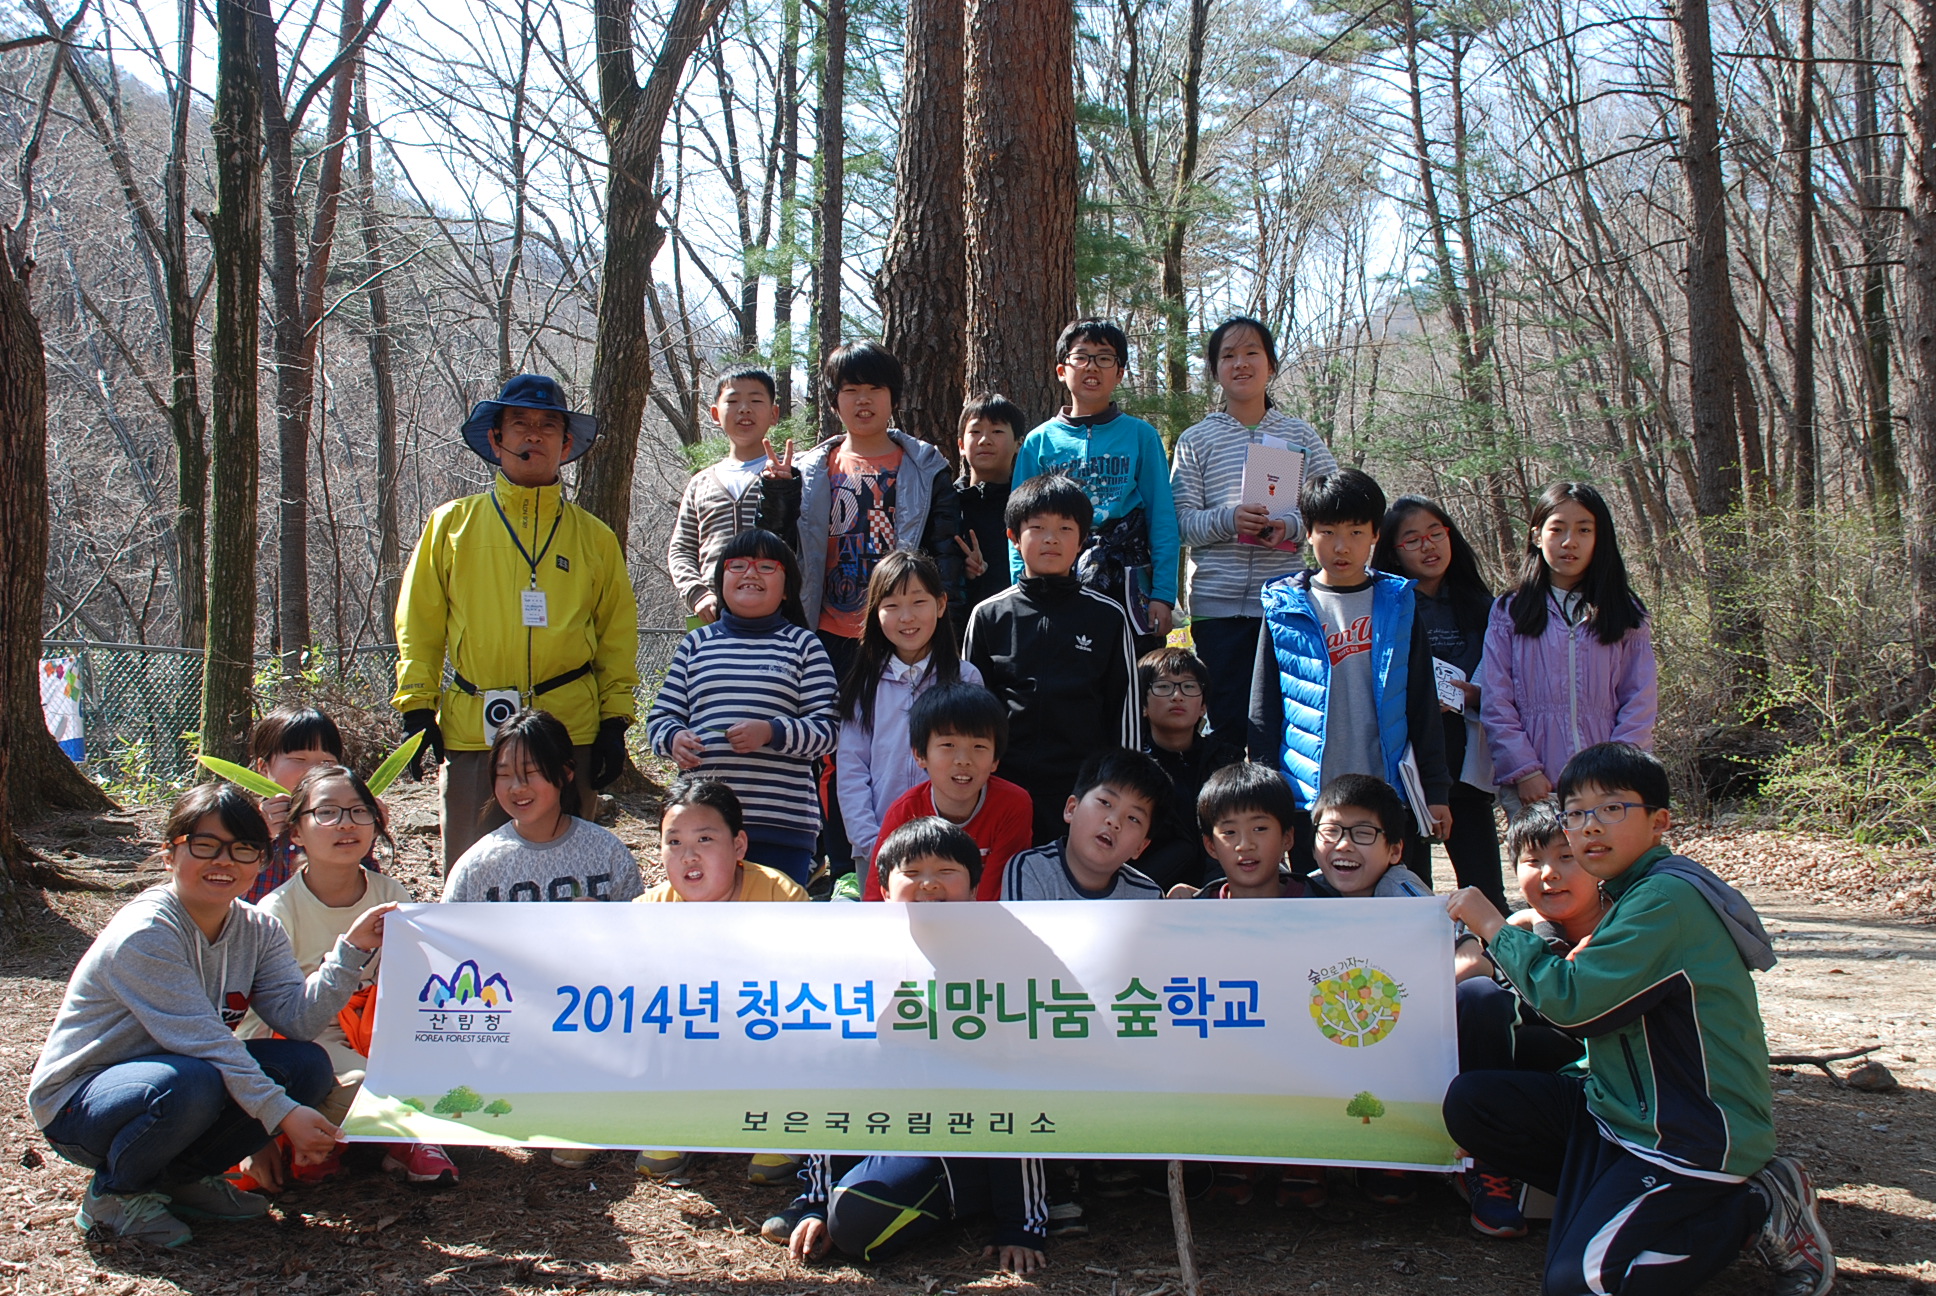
x=1357, y=1006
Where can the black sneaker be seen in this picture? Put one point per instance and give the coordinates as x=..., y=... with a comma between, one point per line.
x=1793, y=1242
x=1066, y=1220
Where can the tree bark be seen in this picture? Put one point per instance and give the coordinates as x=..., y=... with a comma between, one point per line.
x=832, y=210
x=235, y=231
x=1021, y=162
x=1176, y=342
x=1806, y=491
x=787, y=254
x=389, y=539
x=634, y=117
x=1879, y=414
x=1919, y=315
x=922, y=287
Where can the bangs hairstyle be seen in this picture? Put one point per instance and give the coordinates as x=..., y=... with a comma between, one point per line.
x=755, y=543
x=865, y=364
x=1096, y=332
x=1615, y=767
x=294, y=729
x=1222, y=333
x=747, y=373
x=1125, y=771
x=306, y=793
x=227, y=802
x=1462, y=573
x=1535, y=827
x=1049, y=494
x=1246, y=788
x=1363, y=792
x=920, y=838
x=1171, y=661
x=993, y=407
x=712, y=794
x=895, y=574
x=960, y=710
x=543, y=737
x=1612, y=606
x=1341, y=498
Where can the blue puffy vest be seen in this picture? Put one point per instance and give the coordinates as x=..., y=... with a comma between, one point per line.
x=1304, y=673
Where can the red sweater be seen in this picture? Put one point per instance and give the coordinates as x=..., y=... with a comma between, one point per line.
x=1002, y=826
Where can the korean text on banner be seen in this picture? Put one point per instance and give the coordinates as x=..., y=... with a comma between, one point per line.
x=1319, y=1032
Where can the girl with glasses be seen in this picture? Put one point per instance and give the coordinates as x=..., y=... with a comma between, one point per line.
x=142, y=1078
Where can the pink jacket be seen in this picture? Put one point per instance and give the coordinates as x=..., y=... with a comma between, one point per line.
x=1544, y=699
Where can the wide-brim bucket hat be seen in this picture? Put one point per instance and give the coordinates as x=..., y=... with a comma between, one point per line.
x=528, y=391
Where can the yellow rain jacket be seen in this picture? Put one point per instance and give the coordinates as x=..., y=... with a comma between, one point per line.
x=462, y=597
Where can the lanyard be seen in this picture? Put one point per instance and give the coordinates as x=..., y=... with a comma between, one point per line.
x=524, y=553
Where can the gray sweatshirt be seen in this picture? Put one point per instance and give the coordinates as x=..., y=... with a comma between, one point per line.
x=1226, y=577
x=152, y=983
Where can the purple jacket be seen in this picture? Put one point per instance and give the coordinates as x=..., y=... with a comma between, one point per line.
x=1545, y=699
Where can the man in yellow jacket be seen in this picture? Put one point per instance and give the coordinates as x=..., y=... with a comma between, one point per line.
x=528, y=597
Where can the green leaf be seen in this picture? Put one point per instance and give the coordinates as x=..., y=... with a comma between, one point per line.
x=244, y=777
x=393, y=764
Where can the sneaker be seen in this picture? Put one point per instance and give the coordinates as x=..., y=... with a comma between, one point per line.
x=213, y=1198
x=768, y=1169
x=1065, y=1220
x=779, y=1226
x=423, y=1163
x=1389, y=1187
x=572, y=1158
x=1303, y=1186
x=1235, y=1184
x=1112, y=1179
x=666, y=1167
x=133, y=1217
x=1494, y=1199
x=1793, y=1242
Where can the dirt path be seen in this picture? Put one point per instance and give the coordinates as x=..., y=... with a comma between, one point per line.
x=1852, y=974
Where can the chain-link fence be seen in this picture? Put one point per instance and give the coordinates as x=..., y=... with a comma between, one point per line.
x=141, y=704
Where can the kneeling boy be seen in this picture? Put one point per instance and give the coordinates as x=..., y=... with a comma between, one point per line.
x=1661, y=1161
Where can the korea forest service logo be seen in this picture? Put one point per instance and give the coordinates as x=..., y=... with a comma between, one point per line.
x=1355, y=1004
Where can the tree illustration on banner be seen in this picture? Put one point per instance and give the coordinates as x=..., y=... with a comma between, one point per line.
x=1365, y=1107
x=498, y=1107
x=1357, y=1007
x=458, y=1101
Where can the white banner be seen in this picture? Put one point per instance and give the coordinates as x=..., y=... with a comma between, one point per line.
x=1317, y=1031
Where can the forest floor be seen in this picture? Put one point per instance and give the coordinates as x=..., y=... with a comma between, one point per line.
x=1855, y=928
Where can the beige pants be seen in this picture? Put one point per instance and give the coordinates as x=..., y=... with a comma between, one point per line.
x=470, y=809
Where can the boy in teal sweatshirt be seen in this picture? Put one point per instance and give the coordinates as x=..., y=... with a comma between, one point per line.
x=1119, y=462
x=1661, y=1161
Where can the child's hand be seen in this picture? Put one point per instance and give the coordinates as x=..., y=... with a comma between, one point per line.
x=1470, y=906
x=1534, y=787
x=707, y=609
x=1274, y=533
x=367, y=934
x=275, y=813
x=688, y=751
x=1252, y=519
x=310, y=1136
x=750, y=735
x=810, y=1240
x=265, y=1167
x=1441, y=821
x=1159, y=615
x=1181, y=891
x=777, y=465
x=1017, y=1260
x=974, y=564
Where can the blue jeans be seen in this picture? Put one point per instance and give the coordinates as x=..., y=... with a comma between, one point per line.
x=1228, y=647
x=166, y=1118
x=796, y=862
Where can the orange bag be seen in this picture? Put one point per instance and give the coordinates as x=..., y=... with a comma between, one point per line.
x=358, y=1019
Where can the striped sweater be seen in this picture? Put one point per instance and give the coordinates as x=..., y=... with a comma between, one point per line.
x=709, y=515
x=770, y=670
x=1225, y=577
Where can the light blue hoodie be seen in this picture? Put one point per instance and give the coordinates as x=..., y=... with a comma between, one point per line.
x=1118, y=461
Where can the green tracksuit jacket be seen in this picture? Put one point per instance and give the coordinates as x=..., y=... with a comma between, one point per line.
x=1677, y=1058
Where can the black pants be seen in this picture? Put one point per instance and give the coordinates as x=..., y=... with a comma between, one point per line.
x=1474, y=844
x=1499, y=1031
x=1622, y=1226
x=1228, y=647
x=880, y=1205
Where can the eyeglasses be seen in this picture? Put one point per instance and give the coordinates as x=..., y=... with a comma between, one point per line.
x=1610, y=813
x=329, y=816
x=1100, y=361
x=1423, y=538
x=207, y=846
x=1362, y=834
x=1187, y=688
x=759, y=566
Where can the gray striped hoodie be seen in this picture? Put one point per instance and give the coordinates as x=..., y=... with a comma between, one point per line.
x=1225, y=578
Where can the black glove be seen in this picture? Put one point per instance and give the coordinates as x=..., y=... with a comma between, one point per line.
x=608, y=750
x=424, y=721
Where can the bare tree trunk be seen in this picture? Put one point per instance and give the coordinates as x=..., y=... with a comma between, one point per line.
x=787, y=254
x=235, y=230
x=389, y=540
x=1885, y=464
x=1020, y=144
x=1919, y=315
x=1806, y=491
x=634, y=117
x=833, y=195
x=923, y=287
x=1176, y=352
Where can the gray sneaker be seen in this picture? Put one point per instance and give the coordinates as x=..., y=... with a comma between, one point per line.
x=1793, y=1242
x=214, y=1198
x=135, y=1217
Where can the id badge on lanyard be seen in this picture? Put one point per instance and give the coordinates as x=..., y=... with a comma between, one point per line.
x=534, y=609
